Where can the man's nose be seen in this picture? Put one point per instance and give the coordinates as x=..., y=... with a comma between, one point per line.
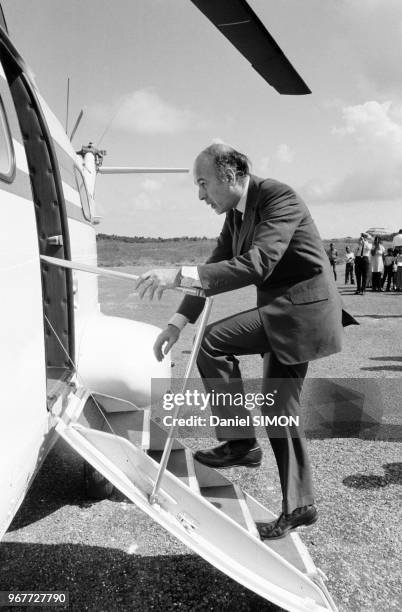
x=201, y=194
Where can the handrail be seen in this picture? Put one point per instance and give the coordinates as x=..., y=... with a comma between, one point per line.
x=172, y=431
x=75, y=265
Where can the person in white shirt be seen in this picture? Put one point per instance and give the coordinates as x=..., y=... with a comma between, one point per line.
x=397, y=241
x=350, y=260
x=362, y=262
x=377, y=263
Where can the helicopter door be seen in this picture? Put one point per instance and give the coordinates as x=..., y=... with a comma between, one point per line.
x=36, y=326
x=23, y=414
x=52, y=228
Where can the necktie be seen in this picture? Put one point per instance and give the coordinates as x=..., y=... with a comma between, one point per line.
x=361, y=252
x=238, y=218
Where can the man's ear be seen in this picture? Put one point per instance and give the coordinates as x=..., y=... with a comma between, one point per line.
x=230, y=176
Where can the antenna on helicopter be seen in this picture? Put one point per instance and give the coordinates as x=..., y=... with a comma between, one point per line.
x=67, y=103
x=80, y=115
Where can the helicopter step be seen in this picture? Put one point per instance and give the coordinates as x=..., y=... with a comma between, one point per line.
x=206, y=481
x=195, y=503
x=181, y=464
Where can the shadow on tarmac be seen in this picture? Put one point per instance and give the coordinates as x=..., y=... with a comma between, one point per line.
x=387, y=358
x=393, y=475
x=376, y=316
x=108, y=579
x=383, y=368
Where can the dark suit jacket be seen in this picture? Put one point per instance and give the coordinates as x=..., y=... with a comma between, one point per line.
x=280, y=251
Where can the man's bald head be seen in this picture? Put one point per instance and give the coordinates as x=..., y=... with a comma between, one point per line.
x=226, y=161
x=221, y=173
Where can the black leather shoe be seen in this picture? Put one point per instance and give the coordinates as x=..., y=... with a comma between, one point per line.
x=306, y=515
x=231, y=453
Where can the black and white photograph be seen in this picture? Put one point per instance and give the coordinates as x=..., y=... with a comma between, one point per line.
x=200, y=330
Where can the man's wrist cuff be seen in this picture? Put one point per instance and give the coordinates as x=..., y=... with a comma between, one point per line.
x=178, y=320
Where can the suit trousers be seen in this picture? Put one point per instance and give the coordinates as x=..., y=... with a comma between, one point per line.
x=244, y=334
x=361, y=270
x=388, y=277
x=349, y=273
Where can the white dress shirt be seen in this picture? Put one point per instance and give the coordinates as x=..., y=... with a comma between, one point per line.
x=367, y=246
x=190, y=277
x=397, y=241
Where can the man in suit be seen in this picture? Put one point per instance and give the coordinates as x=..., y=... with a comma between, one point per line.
x=268, y=240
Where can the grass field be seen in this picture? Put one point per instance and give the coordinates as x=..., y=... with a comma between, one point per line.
x=59, y=540
x=115, y=253
x=118, y=253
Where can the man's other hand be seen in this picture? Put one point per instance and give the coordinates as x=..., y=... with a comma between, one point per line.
x=157, y=281
x=168, y=337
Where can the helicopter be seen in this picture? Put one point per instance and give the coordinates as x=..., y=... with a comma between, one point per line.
x=70, y=371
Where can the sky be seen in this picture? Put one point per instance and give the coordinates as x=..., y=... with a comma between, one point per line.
x=158, y=83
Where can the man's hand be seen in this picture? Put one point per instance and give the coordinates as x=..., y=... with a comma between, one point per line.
x=168, y=336
x=157, y=281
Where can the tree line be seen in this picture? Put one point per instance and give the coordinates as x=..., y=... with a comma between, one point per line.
x=137, y=239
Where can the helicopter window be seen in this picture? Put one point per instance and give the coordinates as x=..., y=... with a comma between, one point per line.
x=7, y=160
x=84, y=197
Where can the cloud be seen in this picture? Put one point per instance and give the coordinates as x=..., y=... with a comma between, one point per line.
x=284, y=154
x=145, y=112
x=374, y=125
x=373, y=133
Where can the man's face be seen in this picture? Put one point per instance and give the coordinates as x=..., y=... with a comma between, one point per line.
x=220, y=195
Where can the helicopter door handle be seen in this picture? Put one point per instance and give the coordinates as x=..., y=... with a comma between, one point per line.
x=55, y=240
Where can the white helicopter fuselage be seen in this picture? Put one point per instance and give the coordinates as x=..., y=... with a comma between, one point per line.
x=54, y=341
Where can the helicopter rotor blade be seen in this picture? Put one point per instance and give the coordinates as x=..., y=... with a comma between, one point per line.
x=236, y=20
x=137, y=170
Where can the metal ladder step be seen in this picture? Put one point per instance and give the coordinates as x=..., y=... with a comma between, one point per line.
x=181, y=464
x=91, y=416
x=251, y=526
x=134, y=425
x=158, y=436
x=290, y=547
x=209, y=477
x=230, y=500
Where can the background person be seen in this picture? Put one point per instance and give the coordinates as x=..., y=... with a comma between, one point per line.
x=389, y=269
x=398, y=275
x=333, y=257
x=397, y=246
x=349, y=266
x=269, y=240
x=397, y=240
x=362, y=262
x=377, y=263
